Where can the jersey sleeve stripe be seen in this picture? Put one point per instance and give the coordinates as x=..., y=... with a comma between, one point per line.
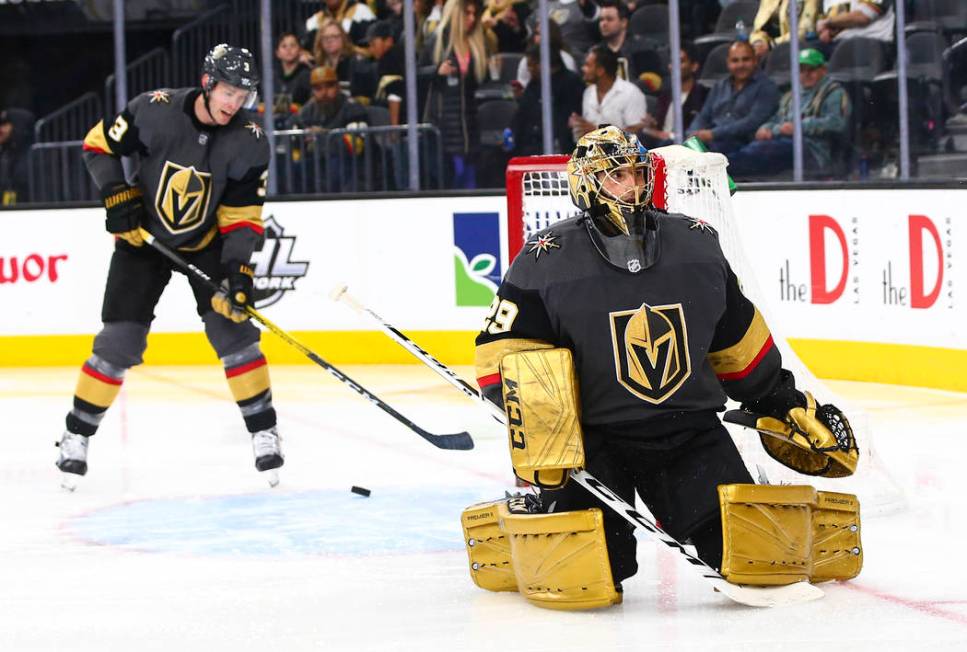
x=738, y=357
x=742, y=373
x=239, y=217
x=95, y=140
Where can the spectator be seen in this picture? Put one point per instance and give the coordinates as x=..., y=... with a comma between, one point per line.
x=662, y=131
x=329, y=108
x=566, y=90
x=507, y=20
x=13, y=163
x=557, y=45
x=291, y=76
x=392, y=13
x=771, y=24
x=613, y=25
x=353, y=17
x=866, y=18
x=459, y=54
x=825, y=120
x=736, y=105
x=390, y=87
x=607, y=99
x=334, y=50
x=577, y=20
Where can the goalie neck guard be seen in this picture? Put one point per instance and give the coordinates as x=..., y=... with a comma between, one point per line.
x=611, y=177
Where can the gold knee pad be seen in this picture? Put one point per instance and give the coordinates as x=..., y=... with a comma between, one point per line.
x=560, y=560
x=541, y=400
x=788, y=533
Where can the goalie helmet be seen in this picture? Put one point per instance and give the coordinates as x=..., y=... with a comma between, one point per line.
x=611, y=177
x=233, y=66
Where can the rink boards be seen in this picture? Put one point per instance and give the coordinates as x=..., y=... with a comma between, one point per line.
x=865, y=283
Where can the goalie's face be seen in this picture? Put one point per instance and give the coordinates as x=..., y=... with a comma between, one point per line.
x=625, y=183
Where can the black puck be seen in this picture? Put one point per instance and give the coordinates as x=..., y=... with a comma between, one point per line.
x=362, y=491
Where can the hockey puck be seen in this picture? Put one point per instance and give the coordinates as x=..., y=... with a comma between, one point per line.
x=362, y=491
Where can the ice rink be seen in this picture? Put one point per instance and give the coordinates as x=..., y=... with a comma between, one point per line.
x=173, y=541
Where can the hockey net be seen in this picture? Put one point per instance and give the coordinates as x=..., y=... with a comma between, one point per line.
x=696, y=185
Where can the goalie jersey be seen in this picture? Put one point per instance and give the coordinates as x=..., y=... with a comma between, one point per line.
x=197, y=180
x=662, y=346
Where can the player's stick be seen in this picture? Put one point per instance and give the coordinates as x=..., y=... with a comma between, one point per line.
x=454, y=441
x=753, y=596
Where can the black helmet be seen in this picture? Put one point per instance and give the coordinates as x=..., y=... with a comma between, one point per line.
x=232, y=65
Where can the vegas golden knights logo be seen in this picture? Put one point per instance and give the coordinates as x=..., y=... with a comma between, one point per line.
x=651, y=350
x=183, y=196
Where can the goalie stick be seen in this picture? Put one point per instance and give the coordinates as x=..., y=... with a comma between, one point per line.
x=753, y=596
x=454, y=441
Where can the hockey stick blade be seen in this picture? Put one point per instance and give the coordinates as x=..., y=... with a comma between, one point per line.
x=752, y=596
x=455, y=441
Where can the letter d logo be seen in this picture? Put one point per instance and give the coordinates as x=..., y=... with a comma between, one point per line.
x=917, y=224
x=818, y=225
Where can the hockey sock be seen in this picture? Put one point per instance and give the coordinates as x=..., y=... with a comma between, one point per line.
x=97, y=387
x=248, y=379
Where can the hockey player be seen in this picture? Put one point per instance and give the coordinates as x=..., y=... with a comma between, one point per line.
x=201, y=182
x=612, y=343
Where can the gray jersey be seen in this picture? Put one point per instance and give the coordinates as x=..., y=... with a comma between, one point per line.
x=199, y=182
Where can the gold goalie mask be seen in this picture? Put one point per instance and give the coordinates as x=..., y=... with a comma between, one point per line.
x=611, y=177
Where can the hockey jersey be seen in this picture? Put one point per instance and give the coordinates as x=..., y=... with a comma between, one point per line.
x=199, y=182
x=669, y=341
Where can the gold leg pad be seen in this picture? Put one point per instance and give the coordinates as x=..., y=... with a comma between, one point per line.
x=837, y=550
x=560, y=560
x=488, y=548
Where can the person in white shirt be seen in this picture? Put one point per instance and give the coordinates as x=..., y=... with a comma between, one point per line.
x=607, y=99
x=857, y=18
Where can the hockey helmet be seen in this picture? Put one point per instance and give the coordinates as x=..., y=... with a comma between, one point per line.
x=234, y=66
x=611, y=177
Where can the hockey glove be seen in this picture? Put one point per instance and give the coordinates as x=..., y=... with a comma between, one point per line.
x=124, y=211
x=798, y=432
x=236, y=293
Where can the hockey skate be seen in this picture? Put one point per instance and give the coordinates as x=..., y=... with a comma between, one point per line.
x=267, y=447
x=72, y=460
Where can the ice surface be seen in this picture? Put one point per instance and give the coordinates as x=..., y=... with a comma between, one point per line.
x=174, y=542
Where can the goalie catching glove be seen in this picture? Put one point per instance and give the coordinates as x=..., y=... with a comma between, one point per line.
x=124, y=210
x=236, y=293
x=801, y=434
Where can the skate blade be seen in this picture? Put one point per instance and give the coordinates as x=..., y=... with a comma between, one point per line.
x=272, y=477
x=68, y=481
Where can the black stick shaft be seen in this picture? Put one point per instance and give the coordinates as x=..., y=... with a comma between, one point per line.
x=454, y=441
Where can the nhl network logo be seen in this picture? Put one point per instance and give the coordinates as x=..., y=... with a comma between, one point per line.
x=275, y=271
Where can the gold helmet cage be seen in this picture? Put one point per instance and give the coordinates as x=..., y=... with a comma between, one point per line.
x=603, y=162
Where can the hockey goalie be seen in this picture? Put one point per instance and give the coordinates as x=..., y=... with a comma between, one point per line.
x=612, y=345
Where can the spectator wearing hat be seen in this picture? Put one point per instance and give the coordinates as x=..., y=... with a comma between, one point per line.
x=13, y=162
x=389, y=89
x=329, y=108
x=825, y=120
x=736, y=105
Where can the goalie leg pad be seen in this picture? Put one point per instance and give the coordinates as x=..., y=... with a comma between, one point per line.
x=766, y=533
x=540, y=393
x=837, y=550
x=788, y=533
x=487, y=548
x=560, y=560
